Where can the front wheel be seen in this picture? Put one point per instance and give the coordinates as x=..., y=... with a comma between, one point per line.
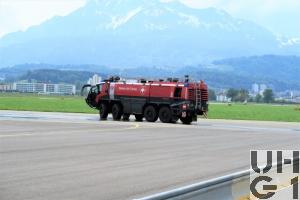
x=116, y=111
x=103, y=111
x=186, y=120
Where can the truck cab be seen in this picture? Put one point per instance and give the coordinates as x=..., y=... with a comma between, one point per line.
x=95, y=93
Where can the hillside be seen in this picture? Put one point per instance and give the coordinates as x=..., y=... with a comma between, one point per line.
x=279, y=72
x=57, y=76
x=77, y=78
x=282, y=72
x=17, y=71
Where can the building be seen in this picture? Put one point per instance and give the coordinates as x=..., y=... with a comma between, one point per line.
x=60, y=89
x=222, y=98
x=94, y=80
x=65, y=89
x=258, y=89
x=255, y=88
x=51, y=88
x=25, y=87
x=262, y=88
x=292, y=96
x=6, y=87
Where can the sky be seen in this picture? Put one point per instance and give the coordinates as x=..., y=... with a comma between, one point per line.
x=282, y=17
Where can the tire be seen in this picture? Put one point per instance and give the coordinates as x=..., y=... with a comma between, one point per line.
x=186, y=120
x=165, y=114
x=139, y=118
x=126, y=117
x=150, y=114
x=103, y=111
x=116, y=111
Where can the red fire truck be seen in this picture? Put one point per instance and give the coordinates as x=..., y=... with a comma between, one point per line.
x=168, y=100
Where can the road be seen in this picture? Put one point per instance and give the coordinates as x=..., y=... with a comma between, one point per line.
x=76, y=156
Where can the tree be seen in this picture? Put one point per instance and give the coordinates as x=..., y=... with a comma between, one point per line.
x=243, y=95
x=232, y=93
x=258, y=98
x=212, y=95
x=268, y=96
x=251, y=99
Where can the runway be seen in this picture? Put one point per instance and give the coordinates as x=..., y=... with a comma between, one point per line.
x=75, y=156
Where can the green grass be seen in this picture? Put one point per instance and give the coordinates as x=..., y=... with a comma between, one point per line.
x=261, y=112
x=44, y=103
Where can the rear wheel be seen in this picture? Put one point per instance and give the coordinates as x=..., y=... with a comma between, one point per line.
x=103, y=111
x=165, y=114
x=186, y=120
x=116, y=111
x=139, y=117
x=150, y=114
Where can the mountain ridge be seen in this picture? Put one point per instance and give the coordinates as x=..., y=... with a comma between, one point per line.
x=137, y=34
x=279, y=72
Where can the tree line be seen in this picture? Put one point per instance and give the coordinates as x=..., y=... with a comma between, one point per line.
x=242, y=95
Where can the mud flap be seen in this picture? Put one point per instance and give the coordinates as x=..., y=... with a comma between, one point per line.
x=205, y=115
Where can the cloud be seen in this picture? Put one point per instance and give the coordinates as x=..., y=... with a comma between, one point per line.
x=16, y=15
x=279, y=16
x=237, y=6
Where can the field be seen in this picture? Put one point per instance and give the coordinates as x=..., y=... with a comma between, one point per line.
x=44, y=103
x=261, y=112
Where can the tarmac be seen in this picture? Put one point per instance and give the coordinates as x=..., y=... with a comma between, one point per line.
x=76, y=156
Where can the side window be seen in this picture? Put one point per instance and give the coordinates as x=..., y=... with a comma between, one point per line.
x=94, y=89
x=177, y=92
x=100, y=88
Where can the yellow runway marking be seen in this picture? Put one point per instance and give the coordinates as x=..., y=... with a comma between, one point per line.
x=136, y=126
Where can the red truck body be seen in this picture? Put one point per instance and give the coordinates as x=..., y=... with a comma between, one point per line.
x=166, y=100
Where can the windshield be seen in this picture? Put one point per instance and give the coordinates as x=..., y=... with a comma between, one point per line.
x=100, y=87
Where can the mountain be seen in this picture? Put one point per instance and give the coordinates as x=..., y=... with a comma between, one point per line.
x=281, y=72
x=139, y=33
